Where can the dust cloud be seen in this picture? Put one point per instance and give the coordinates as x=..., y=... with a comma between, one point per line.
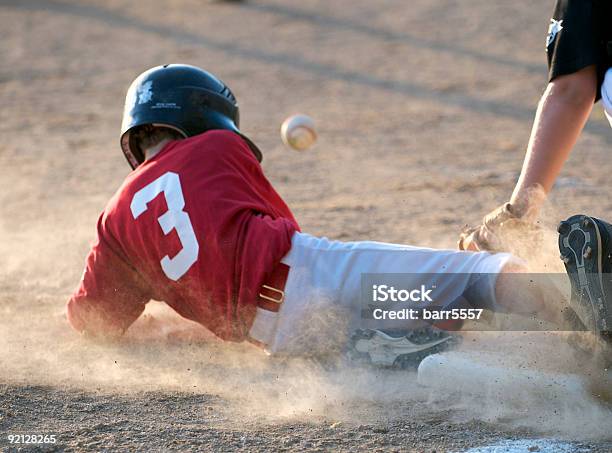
x=39, y=348
x=523, y=380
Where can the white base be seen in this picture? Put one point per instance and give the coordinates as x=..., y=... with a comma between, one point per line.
x=469, y=373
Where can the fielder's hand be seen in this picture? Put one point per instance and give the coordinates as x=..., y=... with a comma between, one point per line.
x=496, y=228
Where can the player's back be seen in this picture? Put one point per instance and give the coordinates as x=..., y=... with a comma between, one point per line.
x=201, y=226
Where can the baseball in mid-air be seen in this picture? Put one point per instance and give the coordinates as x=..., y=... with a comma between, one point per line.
x=298, y=132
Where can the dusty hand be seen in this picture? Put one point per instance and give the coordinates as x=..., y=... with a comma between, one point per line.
x=476, y=239
x=495, y=227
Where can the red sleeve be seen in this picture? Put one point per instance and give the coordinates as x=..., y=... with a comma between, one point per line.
x=111, y=295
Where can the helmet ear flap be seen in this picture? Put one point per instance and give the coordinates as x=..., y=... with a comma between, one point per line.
x=135, y=149
x=131, y=150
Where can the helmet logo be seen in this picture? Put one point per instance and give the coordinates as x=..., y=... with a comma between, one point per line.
x=144, y=92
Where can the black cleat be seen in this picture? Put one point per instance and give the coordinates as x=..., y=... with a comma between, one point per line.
x=585, y=246
x=563, y=228
x=403, y=349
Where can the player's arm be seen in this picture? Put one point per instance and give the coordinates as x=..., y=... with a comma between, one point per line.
x=110, y=296
x=574, y=53
x=561, y=115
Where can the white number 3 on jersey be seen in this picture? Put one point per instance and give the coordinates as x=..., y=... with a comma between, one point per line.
x=173, y=219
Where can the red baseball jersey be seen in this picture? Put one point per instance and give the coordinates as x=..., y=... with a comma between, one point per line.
x=199, y=227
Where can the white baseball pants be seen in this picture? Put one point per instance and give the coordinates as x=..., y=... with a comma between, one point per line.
x=322, y=304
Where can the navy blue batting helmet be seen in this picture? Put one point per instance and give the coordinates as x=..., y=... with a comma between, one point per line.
x=181, y=97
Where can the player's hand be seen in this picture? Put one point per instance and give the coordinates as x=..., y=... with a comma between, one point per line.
x=475, y=239
x=497, y=227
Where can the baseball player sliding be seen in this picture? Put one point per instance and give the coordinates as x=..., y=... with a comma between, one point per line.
x=197, y=225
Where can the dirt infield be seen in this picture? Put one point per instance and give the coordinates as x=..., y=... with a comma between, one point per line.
x=423, y=110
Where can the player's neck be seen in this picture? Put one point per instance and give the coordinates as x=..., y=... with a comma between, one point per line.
x=153, y=150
